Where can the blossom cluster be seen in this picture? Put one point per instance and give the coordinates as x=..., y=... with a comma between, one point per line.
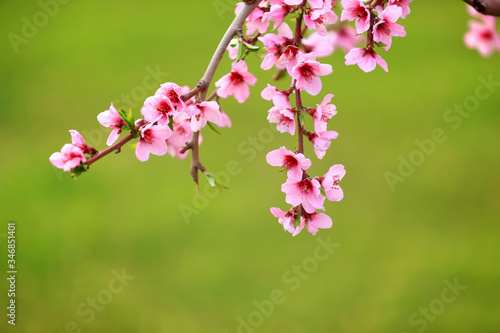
x=482, y=34
x=379, y=23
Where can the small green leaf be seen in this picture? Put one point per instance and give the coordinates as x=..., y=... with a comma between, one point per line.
x=171, y=122
x=251, y=48
x=210, y=179
x=301, y=119
x=77, y=171
x=241, y=52
x=213, y=128
x=380, y=44
x=127, y=117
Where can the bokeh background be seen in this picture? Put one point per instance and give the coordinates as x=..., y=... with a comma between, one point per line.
x=397, y=251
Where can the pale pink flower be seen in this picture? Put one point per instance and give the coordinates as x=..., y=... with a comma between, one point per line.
x=202, y=113
x=236, y=83
x=366, y=58
x=277, y=12
x=356, y=10
x=68, y=158
x=256, y=21
x=286, y=219
x=174, y=93
x=275, y=45
x=181, y=134
x=151, y=139
x=317, y=18
x=321, y=46
x=307, y=73
x=225, y=120
x=77, y=140
x=321, y=141
x=386, y=28
x=330, y=182
x=345, y=37
x=315, y=221
x=306, y=192
x=158, y=108
x=483, y=36
x=112, y=120
x=282, y=115
x=404, y=6
x=290, y=162
x=270, y=93
x=323, y=113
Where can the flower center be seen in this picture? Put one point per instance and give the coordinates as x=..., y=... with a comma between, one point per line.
x=236, y=78
x=164, y=107
x=289, y=162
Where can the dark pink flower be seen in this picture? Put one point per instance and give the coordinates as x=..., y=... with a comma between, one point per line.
x=305, y=192
x=321, y=141
x=313, y=222
x=173, y=92
x=112, y=120
x=275, y=46
x=293, y=163
x=151, y=139
x=367, y=59
x=356, y=10
x=317, y=18
x=202, y=113
x=307, y=73
x=77, y=140
x=68, y=158
x=158, y=108
x=236, y=83
x=386, y=27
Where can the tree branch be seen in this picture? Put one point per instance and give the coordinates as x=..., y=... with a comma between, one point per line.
x=112, y=148
x=204, y=82
x=486, y=7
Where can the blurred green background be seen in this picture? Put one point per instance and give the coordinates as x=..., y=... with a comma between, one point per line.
x=397, y=249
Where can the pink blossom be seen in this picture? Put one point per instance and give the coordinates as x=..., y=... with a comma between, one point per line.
x=173, y=92
x=305, y=192
x=330, y=182
x=158, y=108
x=315, y=221
x=275, y=45
x=68, y=158
x=404, y=6
x=356, y=10
x=180, y=135
x=321, y=46
x=293, y=163
x=317, y=18
x=282, y=115
x=270, y=93
x=321, y=141
x=324, y=112
x=365, y=58
x=386, y=28
x=77, y=140
x=236, y=83
x=151, y=139
x=345, y=37
x=112, y=120
x=286, y=219
x=483, y=36
x=277, y=12
x=307, y=72
x=203, y=112
x=256, y=21
x=225, y=120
